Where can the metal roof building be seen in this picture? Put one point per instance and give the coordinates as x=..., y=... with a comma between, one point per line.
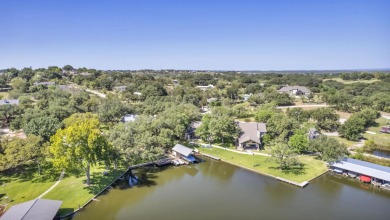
x=37, y=209
x=183, y=150
x=362, y=167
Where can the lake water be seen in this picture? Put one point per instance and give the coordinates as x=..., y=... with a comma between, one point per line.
x=381, y=153
x=217, y=190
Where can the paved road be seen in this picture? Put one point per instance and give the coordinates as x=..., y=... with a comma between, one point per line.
x=303, y=106
x=96, y=93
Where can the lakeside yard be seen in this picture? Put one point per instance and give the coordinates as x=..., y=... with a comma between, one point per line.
x=21, y=187
x=311, y=169
x=71, y=189
x=379, y=137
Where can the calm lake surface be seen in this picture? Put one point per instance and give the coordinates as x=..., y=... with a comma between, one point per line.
x=217, y=190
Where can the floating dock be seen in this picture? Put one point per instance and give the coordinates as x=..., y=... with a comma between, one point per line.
x=303, y=184
x=163, y=162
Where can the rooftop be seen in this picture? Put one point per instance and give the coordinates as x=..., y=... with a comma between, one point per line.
x=185, y=151
x=45, y=83
x=289, y=88
x=37, y=209
x=250, y=131
x=365, y=168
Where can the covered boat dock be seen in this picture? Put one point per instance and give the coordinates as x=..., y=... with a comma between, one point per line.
x=184, y=153
x=366, y=171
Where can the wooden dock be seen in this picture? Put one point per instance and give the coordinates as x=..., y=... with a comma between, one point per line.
x=211, y=156
x=303, y=184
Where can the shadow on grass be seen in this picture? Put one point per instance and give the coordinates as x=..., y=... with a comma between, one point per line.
x=29, y=173
x=296, y=170
x=64, y=211
x=99, y=181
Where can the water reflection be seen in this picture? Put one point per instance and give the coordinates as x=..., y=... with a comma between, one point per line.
x=217, y=190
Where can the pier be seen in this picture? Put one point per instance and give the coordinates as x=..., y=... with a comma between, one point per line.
x=303, y=184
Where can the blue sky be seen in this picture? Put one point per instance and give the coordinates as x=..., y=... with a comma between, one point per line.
x=196, y=34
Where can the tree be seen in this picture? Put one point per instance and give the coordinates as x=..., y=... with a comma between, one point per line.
x=110, y=109
x=204, y=129
x=327, y=118
x=80, y=144
x=299, y=142
x=18, y=151
x=44, y=127
x=9, y=112
x=19, y=84
x=298, y=114
x=357, y=123
x=67, y=67
x=329, y=148
x=284, y=156
x=223, y=128
x=279, y=125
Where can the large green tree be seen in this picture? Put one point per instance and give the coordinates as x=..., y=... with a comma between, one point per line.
x=329, y=148
x=80, y=144
x=299, y=142
x=284, y=156
x=326, y=118
x=44, y=127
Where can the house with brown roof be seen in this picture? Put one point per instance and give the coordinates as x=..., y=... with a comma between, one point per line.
x=295, y=90
x=251, y=135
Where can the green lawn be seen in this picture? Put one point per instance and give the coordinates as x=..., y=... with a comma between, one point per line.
x=345, y=141
x=311, y=168
x=24, y=186
x=379, y=138
x=73, y=192
x=4, y=95
x=353, y=81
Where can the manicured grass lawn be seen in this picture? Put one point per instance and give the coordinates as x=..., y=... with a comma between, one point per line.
x=23, y=186
x=379, y=138
x=311, y=168
x=353, y=81
x=73, y=192
x=345, y=141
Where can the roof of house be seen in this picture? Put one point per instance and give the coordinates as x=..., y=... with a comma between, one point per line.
x=45, y=83
x=183, y=150
x=9, y=102
x=250, y=131
x=365, y=168
x=289, y=88
x=212, y=100
x=129, y=117
x=37, y=209
x=193, y=126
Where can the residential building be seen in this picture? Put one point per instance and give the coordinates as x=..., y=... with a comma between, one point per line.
x=190, y=132
x=251, y=135
x=246, y=97
x=44, y=83
x=204, y=88
x=129, y=118
x=313, y=133
x=295, y=90
x=120, y=88
x=9, y=102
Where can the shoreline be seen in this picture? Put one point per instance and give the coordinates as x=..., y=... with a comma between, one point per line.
x=104, y=189
x=302, y=184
